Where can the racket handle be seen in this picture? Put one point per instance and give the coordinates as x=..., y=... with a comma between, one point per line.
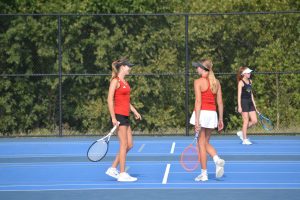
x=114, y=128
x=258, y=112
x=196, y=134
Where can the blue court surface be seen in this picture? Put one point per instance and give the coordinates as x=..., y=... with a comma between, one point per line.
x=57, y=168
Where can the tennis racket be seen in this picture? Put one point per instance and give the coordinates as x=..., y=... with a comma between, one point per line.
x=190, y=156
x=98, y=150
x=265, y=122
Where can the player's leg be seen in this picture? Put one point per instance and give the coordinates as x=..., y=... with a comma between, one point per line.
x=209, y=148
x=121, y=156
x=203, y=157
x=129, y=146
x=128, y=143
x=245, y=116
x=122, y=135
x=213, y=153
x=252, y=118
x=245, y=104
x=129, y=139
x=202, y=148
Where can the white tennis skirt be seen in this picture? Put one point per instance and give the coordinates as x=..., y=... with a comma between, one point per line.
x=208, y=119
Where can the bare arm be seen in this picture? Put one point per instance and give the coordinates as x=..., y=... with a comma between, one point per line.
x=220, y=107
x=110, y=100
x=198, y=101
x=239, y=96
x=252, y=97
x=135, y=112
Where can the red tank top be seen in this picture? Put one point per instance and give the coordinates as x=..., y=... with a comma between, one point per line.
x=122, y=98
x=208, y=99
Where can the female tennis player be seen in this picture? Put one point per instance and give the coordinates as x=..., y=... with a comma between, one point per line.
x=208, y=92
x=119, y=107
x=246, y=103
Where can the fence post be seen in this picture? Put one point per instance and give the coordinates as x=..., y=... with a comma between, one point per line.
x=186, y=75
x=59, y=73
x=277, y=102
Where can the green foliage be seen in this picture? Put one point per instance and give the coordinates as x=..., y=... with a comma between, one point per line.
x=29, y=45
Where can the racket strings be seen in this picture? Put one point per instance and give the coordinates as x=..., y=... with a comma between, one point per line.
x=190, y=158
x=267, y=124
x=98, y=150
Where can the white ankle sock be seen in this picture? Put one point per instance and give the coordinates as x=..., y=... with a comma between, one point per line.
x=216, y=158
x=204, y=171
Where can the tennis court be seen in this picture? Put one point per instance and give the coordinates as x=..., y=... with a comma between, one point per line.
x=57, y=168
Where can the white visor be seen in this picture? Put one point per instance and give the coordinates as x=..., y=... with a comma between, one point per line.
x=246, y=71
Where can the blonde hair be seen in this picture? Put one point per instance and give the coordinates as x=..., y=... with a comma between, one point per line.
x=239, y=75
x=115, y=66
x=213, y=82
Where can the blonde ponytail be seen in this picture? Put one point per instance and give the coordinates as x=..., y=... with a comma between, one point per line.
x=213, y=82
x=114, y=72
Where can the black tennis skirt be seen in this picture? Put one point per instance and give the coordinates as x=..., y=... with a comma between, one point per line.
x=124, y=120
x=247, y=105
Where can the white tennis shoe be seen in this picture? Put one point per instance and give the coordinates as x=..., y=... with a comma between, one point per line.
x=113, y=172
x=247, y=142
x=202, y=177
x=125, y=177
x=220, y=168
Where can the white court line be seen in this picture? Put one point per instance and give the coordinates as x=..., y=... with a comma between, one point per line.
x=113, y=186
x=141, y=148
x=172, y=148
x=165, y=179
x=39, y=155
x=277, y=172
x=144, y=154
x=136, y=188
x=139, y=183
x=105, y=163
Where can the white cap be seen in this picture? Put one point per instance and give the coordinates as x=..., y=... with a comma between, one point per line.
x=246, y=71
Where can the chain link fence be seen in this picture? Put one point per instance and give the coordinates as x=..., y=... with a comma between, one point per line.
x=55, y=69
